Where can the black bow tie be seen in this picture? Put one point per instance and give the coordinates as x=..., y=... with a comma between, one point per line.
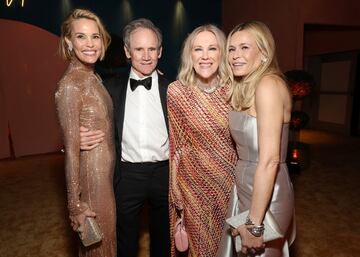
x=141, y=82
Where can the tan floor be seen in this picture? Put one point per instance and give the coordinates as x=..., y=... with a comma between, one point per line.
x=33, y=218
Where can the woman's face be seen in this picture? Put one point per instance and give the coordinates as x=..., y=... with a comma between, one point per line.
x=244, y=54
x=85, y=40
x=205, y=55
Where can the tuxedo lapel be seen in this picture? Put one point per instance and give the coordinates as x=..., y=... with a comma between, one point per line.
x=163, y=85
x=120, y=110
x=117, y=87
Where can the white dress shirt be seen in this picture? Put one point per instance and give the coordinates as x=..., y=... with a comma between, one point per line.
x=145, y=137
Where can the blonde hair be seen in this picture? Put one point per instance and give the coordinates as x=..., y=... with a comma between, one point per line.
x=186, y=73
x=66, y=32
x=243, y=88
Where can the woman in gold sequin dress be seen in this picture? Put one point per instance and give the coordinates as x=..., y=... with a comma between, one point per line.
x=82, y=100
x=202, y=155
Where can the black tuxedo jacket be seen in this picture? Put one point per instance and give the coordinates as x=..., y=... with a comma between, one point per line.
x=117, y=87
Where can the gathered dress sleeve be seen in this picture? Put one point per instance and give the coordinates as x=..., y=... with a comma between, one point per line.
x=69, y=104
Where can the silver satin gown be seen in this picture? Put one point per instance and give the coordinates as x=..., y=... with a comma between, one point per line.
x=243, y=129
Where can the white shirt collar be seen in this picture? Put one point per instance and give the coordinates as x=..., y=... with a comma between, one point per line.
x=133, y=75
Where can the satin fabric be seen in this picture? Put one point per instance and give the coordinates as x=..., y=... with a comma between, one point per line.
x=243, y=129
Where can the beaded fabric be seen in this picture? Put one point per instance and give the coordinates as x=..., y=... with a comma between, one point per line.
x=82, y=100
x=202, y=160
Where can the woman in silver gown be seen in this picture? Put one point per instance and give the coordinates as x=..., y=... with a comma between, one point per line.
x=81, y=100
x=259, y=125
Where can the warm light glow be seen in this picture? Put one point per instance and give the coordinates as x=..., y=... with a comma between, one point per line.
x=179, y=14
x=179, y=22
x=65, y=8
x=295, y=154
x=126, y=12
x=9, y=3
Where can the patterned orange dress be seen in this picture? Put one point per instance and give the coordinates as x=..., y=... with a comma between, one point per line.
x=202, y=161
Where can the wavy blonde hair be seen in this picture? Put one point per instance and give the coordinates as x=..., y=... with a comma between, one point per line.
x=187, y=75
x=66, y=32
x=242, y=89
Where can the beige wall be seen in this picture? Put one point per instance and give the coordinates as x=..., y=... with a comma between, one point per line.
x=286, y=19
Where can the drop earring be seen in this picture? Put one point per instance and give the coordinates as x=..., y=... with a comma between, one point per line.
x=70, y=48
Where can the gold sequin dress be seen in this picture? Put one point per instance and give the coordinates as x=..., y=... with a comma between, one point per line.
x=82, y=100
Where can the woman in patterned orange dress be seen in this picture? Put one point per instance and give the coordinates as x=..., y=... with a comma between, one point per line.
x=202, y=155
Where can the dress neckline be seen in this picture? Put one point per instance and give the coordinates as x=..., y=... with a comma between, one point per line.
x=243, y=112
x=75, y=63
x=251, y=116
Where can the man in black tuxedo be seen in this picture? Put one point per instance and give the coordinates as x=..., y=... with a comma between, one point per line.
x=141, y=140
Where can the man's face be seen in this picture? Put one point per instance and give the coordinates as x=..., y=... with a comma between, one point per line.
x=143, y=51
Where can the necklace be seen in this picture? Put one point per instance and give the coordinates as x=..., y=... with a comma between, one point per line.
x=208, y=88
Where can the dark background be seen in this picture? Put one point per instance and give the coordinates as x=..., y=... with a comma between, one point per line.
x=321, y=37
x=174, y=18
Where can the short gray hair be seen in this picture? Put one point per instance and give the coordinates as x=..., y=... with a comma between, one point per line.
x=140, y=23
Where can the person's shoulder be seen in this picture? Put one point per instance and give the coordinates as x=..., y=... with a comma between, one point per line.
x=178, y=94
x=271, y=82
x=176, y=88
x=72, y=80
x=163, y=80
x=272, y=88
x=117, y=79
x=177, y=91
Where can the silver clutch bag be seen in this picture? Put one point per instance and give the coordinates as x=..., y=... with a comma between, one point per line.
x=271, y=232
x=91, y=234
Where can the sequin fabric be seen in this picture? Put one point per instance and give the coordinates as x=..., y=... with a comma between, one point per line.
x=202, y=161
x=82, y=100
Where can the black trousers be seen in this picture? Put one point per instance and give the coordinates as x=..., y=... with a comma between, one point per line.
x=137, y=184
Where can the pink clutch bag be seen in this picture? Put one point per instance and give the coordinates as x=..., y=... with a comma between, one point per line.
x=180, y=235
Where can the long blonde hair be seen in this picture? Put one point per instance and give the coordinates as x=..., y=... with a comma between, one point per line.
x=66, y=31
x=243, y=88
x=186, y=73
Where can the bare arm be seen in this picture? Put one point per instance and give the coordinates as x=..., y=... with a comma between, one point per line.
x=271, y=108
x=269, y=105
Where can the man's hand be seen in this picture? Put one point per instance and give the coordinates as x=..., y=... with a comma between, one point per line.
x=90, y=139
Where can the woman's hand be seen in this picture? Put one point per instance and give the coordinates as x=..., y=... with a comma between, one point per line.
x=249, y=243
x=78, y=221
